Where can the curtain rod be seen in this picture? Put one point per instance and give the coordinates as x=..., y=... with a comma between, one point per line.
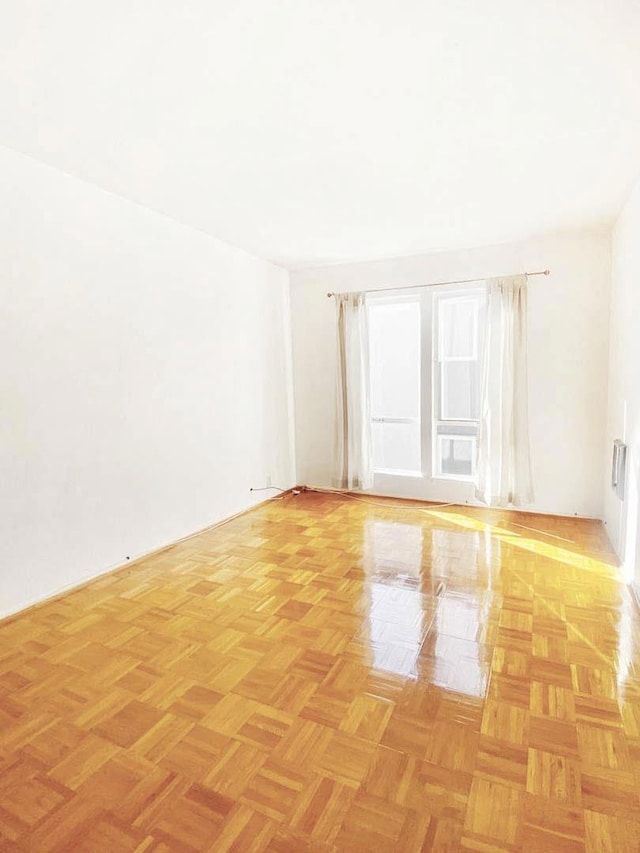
x=439, y=283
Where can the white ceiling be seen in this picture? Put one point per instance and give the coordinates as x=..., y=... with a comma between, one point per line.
x=314, y=132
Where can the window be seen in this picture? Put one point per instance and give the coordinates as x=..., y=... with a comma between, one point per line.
x=424, y=352
x=456, y=385
x=394, y=357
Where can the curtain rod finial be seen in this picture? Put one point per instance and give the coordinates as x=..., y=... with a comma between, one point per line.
x=330, y=294
x=547, y=272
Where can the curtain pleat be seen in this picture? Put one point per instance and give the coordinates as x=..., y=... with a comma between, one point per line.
x=353, y=449
x=504, y=460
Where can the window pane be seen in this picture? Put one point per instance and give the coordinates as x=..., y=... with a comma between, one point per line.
x=458, y=327
x=456, y=456
x=394, y=355
x=459, y=393
x=396, y=447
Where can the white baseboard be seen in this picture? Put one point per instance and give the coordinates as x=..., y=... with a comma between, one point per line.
x=77, y=584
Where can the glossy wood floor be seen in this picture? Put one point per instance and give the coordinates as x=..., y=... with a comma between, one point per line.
x=325, y=674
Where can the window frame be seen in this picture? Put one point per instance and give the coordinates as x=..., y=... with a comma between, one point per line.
x=412, y=483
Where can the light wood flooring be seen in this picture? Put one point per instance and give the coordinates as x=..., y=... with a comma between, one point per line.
x=326, y=674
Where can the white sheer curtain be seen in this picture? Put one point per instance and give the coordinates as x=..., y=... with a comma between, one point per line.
x=353, y=451
x=504, y=462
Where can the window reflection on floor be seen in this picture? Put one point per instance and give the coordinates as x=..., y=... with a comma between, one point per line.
x=454, y=653
x=396, y=606
x=393, y=549
x=424, y=615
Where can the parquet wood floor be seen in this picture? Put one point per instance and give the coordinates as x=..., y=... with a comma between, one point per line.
x=325, y=674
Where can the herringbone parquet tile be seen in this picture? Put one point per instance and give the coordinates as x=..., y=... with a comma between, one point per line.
x=329, y=674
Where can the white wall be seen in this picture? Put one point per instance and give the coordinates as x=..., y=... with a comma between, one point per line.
x=623, y=421
x=568, y=352
x=145, y=380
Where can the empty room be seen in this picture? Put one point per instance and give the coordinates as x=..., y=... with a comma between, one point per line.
x=319, y=426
